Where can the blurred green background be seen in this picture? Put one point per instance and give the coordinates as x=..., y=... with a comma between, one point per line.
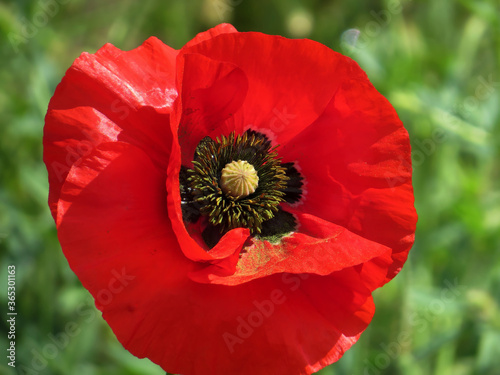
x=436, y=61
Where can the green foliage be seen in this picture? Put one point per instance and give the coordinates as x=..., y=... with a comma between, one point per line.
x=438, y=62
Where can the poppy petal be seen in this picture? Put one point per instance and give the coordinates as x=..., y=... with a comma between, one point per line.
x=119, y=180
x=359, y=175
x=208, y=80
x=109, y=95
x=289, y=324
x=290, y=81
x=223, y=28
x=211, y=92
x=319, y=247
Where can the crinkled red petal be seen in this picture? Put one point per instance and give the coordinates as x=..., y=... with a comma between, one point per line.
x=359, y=174
x=290, y=82
x=212, y=92
x=318, y=247
x=110, y=95
x=218, y=88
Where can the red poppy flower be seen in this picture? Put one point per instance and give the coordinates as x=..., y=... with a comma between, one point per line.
x=232, y=205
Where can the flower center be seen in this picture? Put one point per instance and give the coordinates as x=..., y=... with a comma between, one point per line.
x=239, y=179
x=239, y=182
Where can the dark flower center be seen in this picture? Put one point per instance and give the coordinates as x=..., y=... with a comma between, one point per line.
x=239, y=181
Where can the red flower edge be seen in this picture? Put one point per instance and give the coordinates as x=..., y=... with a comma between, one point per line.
x=118, y=128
